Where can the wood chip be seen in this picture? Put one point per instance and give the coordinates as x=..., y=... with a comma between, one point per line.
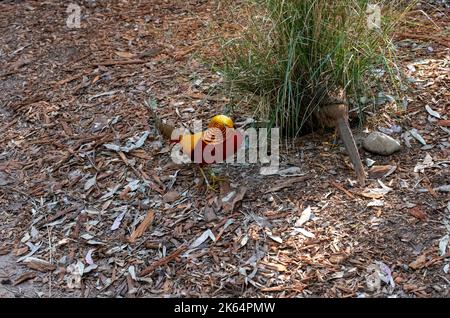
x=275, y=266
x=419, y=262
x=171, y=196
x=24, y=277
x=444, y=122
x=137, y=233
x=418, y=213
x=39, y=264
x=4, y=250
x=229, y=205
x=163, y=261
x=339, y=187
x=379, y=172
x=120, y=62
x=287, y=183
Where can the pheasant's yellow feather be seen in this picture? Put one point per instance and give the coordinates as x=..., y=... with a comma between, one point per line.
x=189, y=142
x=220, y=121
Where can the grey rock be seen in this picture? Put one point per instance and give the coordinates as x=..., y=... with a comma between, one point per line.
x=381, y=144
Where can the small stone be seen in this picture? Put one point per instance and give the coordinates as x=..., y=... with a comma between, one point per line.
x=381, y=144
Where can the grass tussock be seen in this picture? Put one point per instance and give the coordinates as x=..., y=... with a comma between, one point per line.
x=289, y=50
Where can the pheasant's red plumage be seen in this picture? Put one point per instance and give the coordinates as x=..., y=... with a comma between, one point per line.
x=214, y=145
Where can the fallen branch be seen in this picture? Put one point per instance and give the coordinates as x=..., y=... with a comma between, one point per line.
x=287, y=183
x=120, y=62
x=69, y=79
x=163, y=261
x=339, y=187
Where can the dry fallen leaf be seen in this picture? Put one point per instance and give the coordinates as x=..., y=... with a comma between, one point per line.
x=444, y=122
x=306, y=215
x=21, y=251
x=372, y=195
x=418, y=136
x=432, y=112
x=275, y=266
x=5, y=250
x=148, y=220
x=171, y=196
x=202, y=238
x=229, y=202
x=303, y=232
x=376, y=193
x=118, y=220
x=90, y=183
x=419, y=262
x=39, y=264
x=376, y=203
x=337, y=258
x=443, y=242
x=276, y=238
x=427, y=163
x=126, y=55
x=379, y=172
x=23, y=278
x=409, y=287
x=418, y=213
x=210, y=215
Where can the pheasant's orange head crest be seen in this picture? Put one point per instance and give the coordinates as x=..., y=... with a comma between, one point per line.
x=221, y=121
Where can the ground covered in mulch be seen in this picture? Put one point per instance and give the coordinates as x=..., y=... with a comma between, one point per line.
x=79, y=218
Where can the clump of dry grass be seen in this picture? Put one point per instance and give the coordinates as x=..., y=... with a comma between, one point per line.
x=291, y=48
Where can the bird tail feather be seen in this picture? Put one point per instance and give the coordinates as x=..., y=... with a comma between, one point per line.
x=164, y=129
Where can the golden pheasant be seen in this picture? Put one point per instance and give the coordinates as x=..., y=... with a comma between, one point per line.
x=213, y=145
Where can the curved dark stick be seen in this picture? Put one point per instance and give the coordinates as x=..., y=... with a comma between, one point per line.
x=349, y=143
